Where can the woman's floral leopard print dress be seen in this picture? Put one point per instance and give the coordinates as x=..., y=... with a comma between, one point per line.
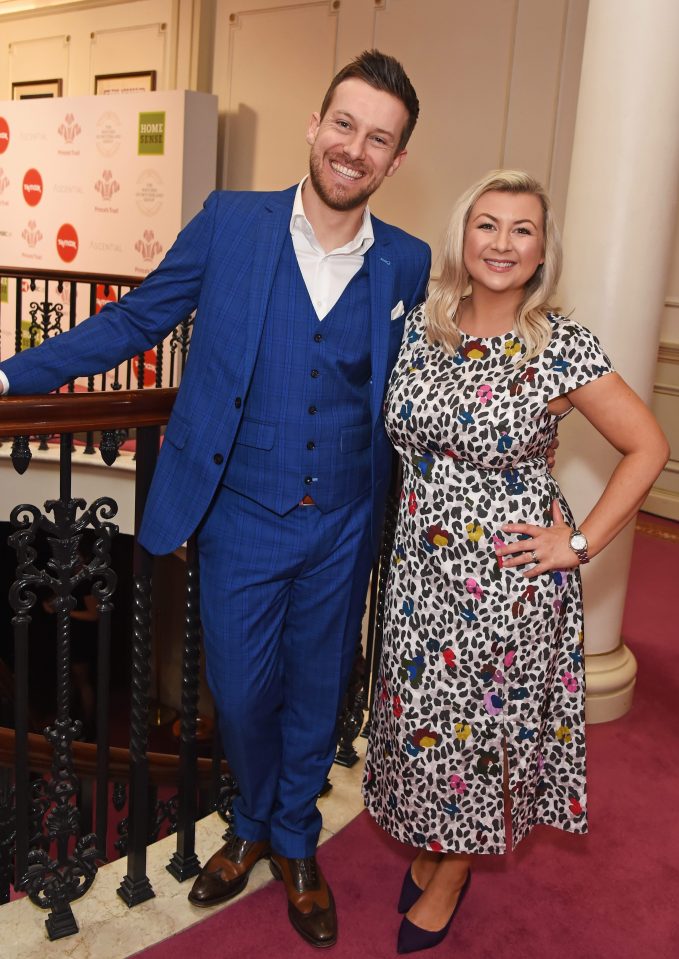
x=476, y=657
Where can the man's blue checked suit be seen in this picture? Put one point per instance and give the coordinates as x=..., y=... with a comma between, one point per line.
x=273, y=405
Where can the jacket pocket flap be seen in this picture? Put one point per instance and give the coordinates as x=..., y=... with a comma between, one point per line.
x=177, y=431
x=355, y=438
x=259, y=435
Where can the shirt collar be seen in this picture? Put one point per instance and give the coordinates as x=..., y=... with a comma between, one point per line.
x=299, y=224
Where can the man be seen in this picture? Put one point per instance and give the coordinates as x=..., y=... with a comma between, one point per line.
x=276, y=453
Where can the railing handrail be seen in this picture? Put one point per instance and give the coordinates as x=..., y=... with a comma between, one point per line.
x=79, y=412
x=68, y=276
x=163, y=767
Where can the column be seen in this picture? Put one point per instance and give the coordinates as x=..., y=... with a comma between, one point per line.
x=618, y=233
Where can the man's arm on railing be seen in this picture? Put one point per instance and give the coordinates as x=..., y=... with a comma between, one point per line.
x=126, y=328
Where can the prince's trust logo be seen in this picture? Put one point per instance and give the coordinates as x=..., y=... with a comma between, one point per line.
x=69, y=130
x=148, y=246
x=32, y=236
x=107, y=187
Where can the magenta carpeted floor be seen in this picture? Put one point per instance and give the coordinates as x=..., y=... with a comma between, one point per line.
x=611, y=895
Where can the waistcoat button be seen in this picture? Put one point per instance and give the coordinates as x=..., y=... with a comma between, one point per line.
x=318, y=337
x=308, y=480
x=314, y=374
x=312, y=410
x=311, y=445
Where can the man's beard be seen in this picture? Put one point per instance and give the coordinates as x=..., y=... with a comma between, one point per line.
x=337, y=200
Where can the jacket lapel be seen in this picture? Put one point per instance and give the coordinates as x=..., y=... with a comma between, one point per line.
x=272, y=228
x=381, y=271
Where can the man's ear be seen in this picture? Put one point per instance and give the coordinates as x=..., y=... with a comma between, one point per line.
x=396, y=162
x=312, y=129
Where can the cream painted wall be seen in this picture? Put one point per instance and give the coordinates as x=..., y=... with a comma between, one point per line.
x=497, y=81
x=77, y=41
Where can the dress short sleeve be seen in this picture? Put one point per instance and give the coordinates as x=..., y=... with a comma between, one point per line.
x=574, y=356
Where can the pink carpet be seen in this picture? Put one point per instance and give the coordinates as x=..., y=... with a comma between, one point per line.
x=611, y=895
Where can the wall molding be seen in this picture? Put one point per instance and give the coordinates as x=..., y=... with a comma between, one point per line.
x=668, y=352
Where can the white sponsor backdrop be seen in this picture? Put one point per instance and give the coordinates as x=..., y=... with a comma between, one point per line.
x=77, y=190
x=97, y=185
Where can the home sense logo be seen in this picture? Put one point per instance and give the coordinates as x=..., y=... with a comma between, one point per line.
x=4, y=135
x=151, y=134
x=67, y=242
x=32, y=187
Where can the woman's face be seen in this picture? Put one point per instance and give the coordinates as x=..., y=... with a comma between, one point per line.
x=504, y=240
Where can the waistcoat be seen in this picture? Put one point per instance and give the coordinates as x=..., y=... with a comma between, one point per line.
x=306, y=427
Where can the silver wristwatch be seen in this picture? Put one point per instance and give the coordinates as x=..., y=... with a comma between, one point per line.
x=578, y=543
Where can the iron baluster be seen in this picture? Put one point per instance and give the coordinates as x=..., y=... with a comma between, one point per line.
x=53, y=883
x=185, y=863
x=136, y=887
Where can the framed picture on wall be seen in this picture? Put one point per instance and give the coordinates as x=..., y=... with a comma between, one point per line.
x=141, y=82
x=36, y=89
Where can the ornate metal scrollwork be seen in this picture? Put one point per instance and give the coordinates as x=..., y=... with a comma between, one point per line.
x=21, y=454
x=52, y=881
x=180, y=340
x=164, y=811
x=351, y=717
x=7, y=837
x=108, y=447
x=227, y=791
x=46, y=319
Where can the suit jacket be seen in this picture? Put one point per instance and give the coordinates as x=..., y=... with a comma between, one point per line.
x=222, y=265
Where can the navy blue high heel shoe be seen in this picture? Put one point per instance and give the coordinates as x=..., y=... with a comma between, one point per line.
x=413, y=939
x=410, y=892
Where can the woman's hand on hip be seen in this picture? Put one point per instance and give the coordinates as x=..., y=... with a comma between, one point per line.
x=541, y=547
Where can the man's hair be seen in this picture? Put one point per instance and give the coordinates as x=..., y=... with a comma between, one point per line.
x=381, y=72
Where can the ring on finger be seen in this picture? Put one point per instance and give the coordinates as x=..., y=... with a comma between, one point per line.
x=534, y=556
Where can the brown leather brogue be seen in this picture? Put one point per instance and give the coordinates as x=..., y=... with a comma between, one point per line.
x=226, y=873
x=311, y=905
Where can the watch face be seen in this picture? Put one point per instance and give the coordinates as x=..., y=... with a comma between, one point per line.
x=578, y=541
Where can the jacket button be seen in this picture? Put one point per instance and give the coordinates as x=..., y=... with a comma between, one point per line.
x=314, y=374
x=308, y=480
x=218, y=458
x=312, y=410
x=311, y=445
x=238, y=402
x=318, y=337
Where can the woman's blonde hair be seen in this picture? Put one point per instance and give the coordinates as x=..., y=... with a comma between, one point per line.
x=445, y=294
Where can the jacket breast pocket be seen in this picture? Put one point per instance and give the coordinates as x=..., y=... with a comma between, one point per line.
x=261, y=436
x=177, y=431
x=353, y=438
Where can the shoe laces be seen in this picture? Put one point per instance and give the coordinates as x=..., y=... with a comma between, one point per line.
x=307, y=870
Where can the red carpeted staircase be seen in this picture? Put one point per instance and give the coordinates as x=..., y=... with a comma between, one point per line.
x=611, y=895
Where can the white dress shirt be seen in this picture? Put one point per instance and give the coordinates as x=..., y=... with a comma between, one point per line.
x=326, y=275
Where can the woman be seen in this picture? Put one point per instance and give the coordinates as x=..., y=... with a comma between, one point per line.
x=480, y=696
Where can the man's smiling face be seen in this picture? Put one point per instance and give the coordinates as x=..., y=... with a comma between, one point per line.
x=355, y=144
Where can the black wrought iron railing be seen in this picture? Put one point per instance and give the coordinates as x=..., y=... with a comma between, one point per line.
x=58, y=793
x=44, y=303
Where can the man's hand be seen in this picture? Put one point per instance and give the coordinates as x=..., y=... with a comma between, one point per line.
x=551, y=452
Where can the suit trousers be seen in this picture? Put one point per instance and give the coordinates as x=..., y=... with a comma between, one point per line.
x=282, y=599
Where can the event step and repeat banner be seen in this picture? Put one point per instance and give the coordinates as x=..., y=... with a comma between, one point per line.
x=98, y=185
x=102, y=184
